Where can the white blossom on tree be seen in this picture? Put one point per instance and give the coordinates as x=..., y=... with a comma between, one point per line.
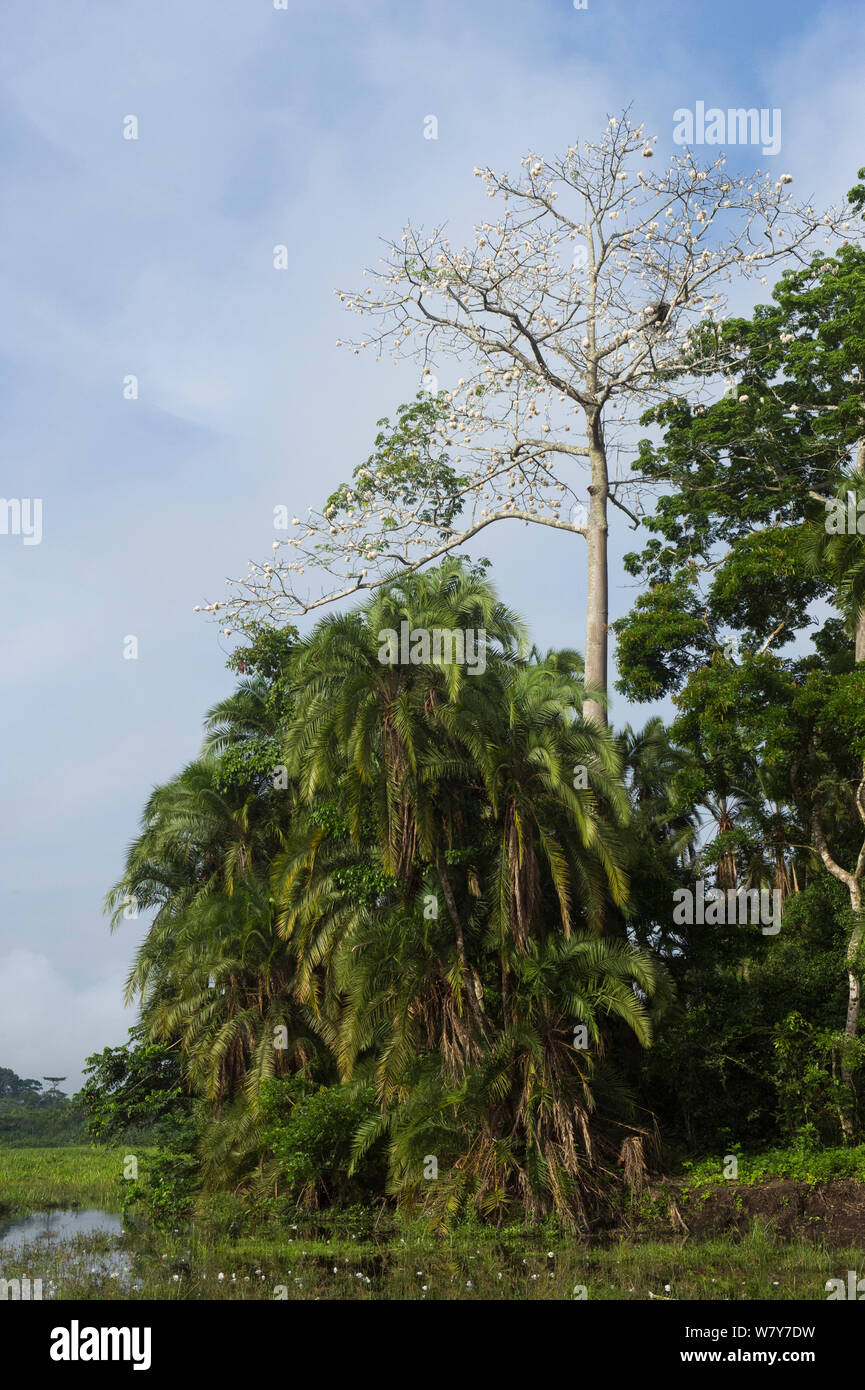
x=574, y=310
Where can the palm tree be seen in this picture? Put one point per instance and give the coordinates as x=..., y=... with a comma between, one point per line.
x=367, y=726
x=467, y=789
x=212, y=971
x=523, y=1124
x=419, y=911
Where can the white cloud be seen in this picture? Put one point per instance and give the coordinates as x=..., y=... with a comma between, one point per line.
x=49, y=1022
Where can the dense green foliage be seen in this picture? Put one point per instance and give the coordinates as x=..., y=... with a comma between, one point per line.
x=412, y=937
x=136, y=1091
x=741, y=562
x=408, y=914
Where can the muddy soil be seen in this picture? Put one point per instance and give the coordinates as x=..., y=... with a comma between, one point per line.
x=830, y=1212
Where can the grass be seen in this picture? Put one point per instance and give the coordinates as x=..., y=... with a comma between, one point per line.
x=462, y=1267
x=346, y=1259
x=77, y=1176
x=795, y=1164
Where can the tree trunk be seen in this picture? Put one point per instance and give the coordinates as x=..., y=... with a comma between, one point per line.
x=854, y=997
x=854, y=984
x=597, y=603
x=851, y=1025
x=468, y=974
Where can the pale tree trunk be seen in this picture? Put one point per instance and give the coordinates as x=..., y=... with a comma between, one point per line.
x=854, y=1002
x=854, y=996
x=852, y=883
x=597, y=601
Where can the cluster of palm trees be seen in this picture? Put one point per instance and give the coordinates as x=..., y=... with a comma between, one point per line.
x=417, y=881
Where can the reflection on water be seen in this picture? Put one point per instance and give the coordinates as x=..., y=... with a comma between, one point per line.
x=56, y=1225
x=44, y=1246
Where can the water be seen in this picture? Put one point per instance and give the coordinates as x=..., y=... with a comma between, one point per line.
x=47, y=1245
x=45, y=1227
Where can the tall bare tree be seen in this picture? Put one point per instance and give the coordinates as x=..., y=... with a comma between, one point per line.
x=580, y=299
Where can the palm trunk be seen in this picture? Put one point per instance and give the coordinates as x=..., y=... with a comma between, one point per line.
x=468, y=974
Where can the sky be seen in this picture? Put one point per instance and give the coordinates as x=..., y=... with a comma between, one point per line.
x=153, y=257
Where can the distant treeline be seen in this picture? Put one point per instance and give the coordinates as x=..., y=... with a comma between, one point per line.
x=30, y=1116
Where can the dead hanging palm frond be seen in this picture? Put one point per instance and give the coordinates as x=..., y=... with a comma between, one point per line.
x=523, y=876
x=632, y=1157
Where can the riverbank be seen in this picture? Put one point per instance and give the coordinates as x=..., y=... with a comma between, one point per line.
x=761, y=1238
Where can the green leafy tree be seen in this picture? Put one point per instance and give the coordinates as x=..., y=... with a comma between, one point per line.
x=737, y=559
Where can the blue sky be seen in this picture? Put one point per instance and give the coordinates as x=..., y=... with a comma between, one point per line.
x=154, y=257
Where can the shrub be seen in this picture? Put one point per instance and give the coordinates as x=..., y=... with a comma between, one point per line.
x=165, y=1191
x=310, y=1131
